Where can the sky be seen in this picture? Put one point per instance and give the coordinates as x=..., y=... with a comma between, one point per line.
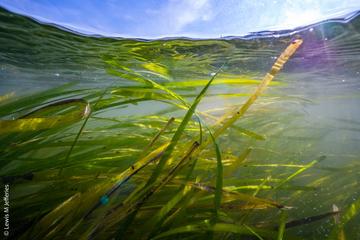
x=180, y=18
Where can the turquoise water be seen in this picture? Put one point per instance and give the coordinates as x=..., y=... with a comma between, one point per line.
x=311, y=110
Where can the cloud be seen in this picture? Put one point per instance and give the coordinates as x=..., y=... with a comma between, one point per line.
x=178, y=14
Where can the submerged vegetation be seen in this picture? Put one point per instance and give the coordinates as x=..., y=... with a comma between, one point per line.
x=121, y=182
x=215, y=158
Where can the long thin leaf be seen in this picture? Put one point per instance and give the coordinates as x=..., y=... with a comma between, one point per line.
x=219, y=227
x=307, y=166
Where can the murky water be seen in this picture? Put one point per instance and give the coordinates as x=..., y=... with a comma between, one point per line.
x=310, y=110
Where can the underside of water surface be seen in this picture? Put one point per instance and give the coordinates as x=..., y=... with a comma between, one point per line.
x=104, y=138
